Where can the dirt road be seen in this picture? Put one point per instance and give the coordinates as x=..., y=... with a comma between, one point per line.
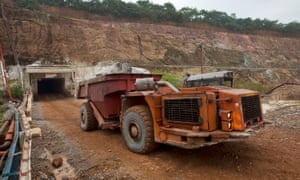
x=102, y=154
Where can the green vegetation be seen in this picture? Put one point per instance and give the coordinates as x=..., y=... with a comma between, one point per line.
x=3, y=94
x=146, y=10
x=2, y=110
x=16, y=91
x=172, y=78
x=177, y=81
x=251, y=85
x=28, y=4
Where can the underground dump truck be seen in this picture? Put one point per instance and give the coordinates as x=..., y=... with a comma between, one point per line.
x=150, y=111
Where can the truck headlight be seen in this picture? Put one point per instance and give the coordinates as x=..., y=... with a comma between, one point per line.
x=229, y=125
x=229, y=115
x=225, y=115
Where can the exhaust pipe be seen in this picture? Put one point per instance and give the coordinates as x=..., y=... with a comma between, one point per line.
x=166, y=83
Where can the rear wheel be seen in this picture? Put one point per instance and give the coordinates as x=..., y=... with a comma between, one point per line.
x=88, y=121
x=137, y=130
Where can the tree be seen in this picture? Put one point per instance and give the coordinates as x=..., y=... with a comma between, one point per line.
x=167, y=12
x=114, y=7
x=189, y=14
x=132, y=11
x=170, y=11
x=28, y=4
x=293, y=27
x=52, y=2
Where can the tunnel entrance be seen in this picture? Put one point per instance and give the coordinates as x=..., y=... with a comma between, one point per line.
x=57, y=80
x=51, y=86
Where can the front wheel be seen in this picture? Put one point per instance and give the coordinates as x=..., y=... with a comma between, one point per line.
x=137, y=130
x=88, y=121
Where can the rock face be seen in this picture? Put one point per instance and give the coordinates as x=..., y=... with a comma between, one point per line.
x=60, y=35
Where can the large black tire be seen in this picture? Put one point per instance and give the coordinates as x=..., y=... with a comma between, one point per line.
x=88, y=121
x=137, y=130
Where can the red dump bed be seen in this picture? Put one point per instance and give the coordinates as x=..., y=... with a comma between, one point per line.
x=105, y=91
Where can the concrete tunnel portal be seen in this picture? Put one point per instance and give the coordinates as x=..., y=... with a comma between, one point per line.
x=51, y=79
x=51, y=86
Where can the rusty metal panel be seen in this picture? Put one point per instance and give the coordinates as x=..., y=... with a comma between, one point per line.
x=243, y=104
x=105, y=91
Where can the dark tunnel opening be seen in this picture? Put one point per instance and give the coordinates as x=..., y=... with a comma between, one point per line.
x=51, y=86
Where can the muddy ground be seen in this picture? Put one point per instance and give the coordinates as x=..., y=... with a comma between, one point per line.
x=274, y=153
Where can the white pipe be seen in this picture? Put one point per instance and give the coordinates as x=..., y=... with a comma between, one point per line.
x=3, y=75
x=21, y=77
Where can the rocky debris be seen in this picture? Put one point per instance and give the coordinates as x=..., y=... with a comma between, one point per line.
x=283, y=113
x=107, y=67
x=42, y=176
x=110, y=67
x=57, y=162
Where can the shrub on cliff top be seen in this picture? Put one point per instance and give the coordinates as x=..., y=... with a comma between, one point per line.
x=28, y=4
x=145, y=9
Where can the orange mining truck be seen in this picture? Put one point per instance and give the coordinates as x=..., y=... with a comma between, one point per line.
x=150, y=111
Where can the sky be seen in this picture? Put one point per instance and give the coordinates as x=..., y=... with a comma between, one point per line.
x=284, y=11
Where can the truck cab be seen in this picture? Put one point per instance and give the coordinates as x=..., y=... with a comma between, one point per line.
x=221, y=78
